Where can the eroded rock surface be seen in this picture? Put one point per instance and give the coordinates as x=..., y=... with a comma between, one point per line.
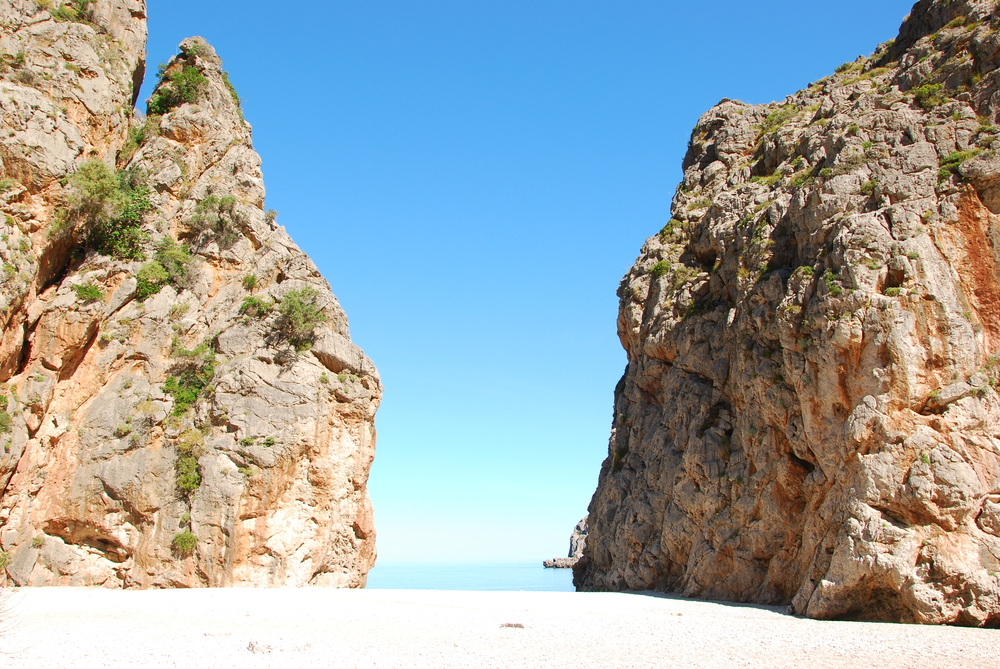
x=809, y=414
x=193, y=414
x=577, y=542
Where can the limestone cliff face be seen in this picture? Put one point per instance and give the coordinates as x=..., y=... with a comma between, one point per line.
x=809, y=414
x=182, y=404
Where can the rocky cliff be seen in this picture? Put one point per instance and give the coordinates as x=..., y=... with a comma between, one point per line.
x=809, y=414
x=181, y=402
x=577, y=542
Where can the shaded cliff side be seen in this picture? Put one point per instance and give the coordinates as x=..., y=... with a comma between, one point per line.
x=809, y=414
x=182, y=404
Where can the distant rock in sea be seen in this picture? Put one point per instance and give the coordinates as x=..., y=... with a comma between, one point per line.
x=577, y=542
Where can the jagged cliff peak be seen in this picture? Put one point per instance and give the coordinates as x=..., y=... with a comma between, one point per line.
x=181, y=404
x=809, y=414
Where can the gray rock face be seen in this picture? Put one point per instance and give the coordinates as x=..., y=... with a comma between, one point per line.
x=809, y=413
x=577, y=542
x=214, y=430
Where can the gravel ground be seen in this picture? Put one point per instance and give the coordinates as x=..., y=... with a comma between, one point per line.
x=75, y=627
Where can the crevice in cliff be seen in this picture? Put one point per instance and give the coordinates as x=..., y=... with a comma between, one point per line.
x=69, y=367
x=138, y=75
x=54, y=262
x=76, y=533
x=22, y=363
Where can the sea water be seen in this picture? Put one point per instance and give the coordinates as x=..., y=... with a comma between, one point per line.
x=470, y=576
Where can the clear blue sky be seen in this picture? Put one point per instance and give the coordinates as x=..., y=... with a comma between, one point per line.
x=474, y=178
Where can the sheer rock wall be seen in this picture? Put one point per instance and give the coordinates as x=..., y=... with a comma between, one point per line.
x=276, y=446
x=809, y=414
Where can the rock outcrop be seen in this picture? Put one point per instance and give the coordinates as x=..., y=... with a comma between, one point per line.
x=181, y=403
x=577, y=542
x=809, y=414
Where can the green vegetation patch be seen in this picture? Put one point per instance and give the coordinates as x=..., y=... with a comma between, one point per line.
x=951, y=163
x=79, y=11
x=660, y=269
x=111, y=206
x=176, y=88
x=254, y=307
x=137, y=137
x=171, y=265
x=929, y=96
x=672, y=230
x=88, y=293
x=191, y=378
x=299, y=316
x=778, y=118
x=233, y=94
x=185, y=542
x=216, y=219
x=190, y=447
x=5, y=420
x=832, y=284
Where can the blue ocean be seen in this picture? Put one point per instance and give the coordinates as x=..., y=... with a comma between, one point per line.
x=470, y=576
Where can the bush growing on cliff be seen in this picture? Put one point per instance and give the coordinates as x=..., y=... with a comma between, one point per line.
x=660, y=269
x=111, y=206
x=673, y=231
x=929, y=96
x=171, y=264
x=181, y=86
x=254, y=307
x=188, y=476
x=137, y=137
x=233, y=94
x=185, y=542
x=778, y=118
x=951, y=163
x=150, y=279
x=88, y=293
x=216, y=219
x=5, y=420
x=73, y=10
x=299, y=316
x=190, y=378
x=832, y=284
x=190, y=447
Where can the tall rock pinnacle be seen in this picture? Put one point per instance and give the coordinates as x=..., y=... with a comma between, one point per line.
x=181, y=403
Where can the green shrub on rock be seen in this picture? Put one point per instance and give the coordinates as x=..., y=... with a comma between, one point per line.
x=951, y=162
x=254, y=307
x=171, y=264
x=191, y=378
x=216, y=219
x=929, y=96
x=181, y=86
x=185, y=542
x=300, y=315
x=73, y=10
x=151, y=278
x=88, y=293
x=110, y=206
x=660, y=269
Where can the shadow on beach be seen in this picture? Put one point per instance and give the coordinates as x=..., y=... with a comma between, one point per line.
x=781, y=609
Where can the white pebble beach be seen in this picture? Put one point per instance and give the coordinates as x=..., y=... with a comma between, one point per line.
x=310, y=627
